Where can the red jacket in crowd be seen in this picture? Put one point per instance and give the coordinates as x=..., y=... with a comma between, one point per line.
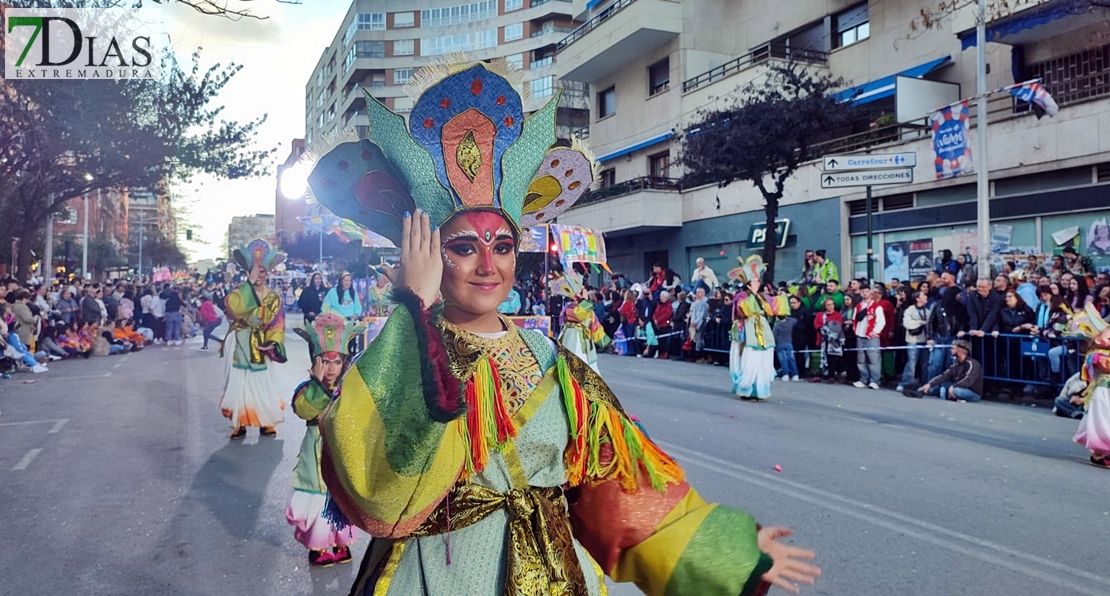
x=662, y=316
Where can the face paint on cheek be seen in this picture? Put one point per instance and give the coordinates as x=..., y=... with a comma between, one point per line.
x=446, y=258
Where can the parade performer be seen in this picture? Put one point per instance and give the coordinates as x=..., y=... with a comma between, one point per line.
x=1094, y=429
x=581, y=332
x=254, y=342
x=488, y=459
x=378, y=297
x=753, y=362
x=327, y=338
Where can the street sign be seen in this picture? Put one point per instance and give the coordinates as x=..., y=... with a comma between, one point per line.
x=757, y=234
x=885, y=161
x=866, y=178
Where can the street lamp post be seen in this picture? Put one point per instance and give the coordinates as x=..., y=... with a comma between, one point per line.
x=85, y=241
x=48, y=258
x=982, y=173
x=85, y=234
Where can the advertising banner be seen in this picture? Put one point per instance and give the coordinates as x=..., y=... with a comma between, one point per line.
x=950, y=140
x=921, y=259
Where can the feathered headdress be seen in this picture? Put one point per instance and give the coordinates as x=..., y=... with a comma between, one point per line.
x=467, y=146
x=1087, y=322
x=569, y=285
x=329, y=332
x=258, y=252
x=748, y=270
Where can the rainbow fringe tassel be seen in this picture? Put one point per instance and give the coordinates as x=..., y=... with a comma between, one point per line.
x=593, y=424
x=487, y=421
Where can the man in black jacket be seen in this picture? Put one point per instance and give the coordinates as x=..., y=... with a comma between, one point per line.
x=983, y=308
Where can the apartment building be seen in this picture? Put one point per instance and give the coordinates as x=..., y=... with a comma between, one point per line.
x=652, y=64
x=244, y=228
x=379, y=47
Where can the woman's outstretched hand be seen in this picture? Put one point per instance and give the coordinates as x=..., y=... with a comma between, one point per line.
x=421, y=266
x=788, y=570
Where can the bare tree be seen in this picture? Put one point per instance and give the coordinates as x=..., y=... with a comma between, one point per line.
x=764, y=136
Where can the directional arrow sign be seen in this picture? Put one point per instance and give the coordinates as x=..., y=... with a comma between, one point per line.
x=886, y=161
x=866, y=178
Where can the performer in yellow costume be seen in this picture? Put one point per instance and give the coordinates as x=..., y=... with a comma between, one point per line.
x=581, y=332
x=255, y=341
x=485, y=459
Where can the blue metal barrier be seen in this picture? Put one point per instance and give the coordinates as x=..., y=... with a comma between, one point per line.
x=1025, y=359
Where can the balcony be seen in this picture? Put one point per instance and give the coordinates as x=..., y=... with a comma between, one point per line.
x=630, y=207
x=771, y=51
x=617, y=36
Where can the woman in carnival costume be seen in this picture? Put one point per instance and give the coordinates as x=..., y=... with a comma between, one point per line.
x=1094, y=429
x=752, y=358
x=486, y=459
x=328, y=338
x=255, y=341
x=581, y=333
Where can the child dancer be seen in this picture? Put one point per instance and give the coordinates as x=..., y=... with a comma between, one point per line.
x=327, y=338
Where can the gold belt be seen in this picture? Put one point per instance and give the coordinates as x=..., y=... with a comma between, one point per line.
x=542, y=557
x=257, y=338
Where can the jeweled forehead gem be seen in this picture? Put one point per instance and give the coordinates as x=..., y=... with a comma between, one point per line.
x=488, y=235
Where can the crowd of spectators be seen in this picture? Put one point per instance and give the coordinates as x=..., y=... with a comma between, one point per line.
x=48, y=321
x=865, y=333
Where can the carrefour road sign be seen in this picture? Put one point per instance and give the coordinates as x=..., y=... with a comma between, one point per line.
x=866, y=178
x=885, y=161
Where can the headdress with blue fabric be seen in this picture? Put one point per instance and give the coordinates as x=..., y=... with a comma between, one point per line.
x=467, y=146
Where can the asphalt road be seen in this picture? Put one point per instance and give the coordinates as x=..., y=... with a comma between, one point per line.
x=116, y=477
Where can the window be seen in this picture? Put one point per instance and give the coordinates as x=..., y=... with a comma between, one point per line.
x=377, y=79
x=404, y=19
x=404, y=47
x=454, y=15
x=659, y=77
x=660, y=164
x=513, y=5
x=516, y=60
x=608, y=178
x=852, y=25
x=463, y=42
x=402, y=104
x=365, y=49
x=607, y=103
x=543, y=87
x=402, y=76
x=374, y=21
x=514, y=32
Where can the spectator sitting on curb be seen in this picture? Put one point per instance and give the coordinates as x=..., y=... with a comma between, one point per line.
x=963, y=381
x=1069, y=404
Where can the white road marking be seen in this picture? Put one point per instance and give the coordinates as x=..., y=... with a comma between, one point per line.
x=868, y=513
x=26, y=422
x=78, y=378
x=27, y=459
x=124, y=359
x=117, y=365
x=57, y=426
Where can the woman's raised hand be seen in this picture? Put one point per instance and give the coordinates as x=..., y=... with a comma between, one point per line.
x=788, y=570
x=421, y=267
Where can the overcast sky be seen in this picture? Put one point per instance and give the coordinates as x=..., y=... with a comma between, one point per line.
x=278, y=55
